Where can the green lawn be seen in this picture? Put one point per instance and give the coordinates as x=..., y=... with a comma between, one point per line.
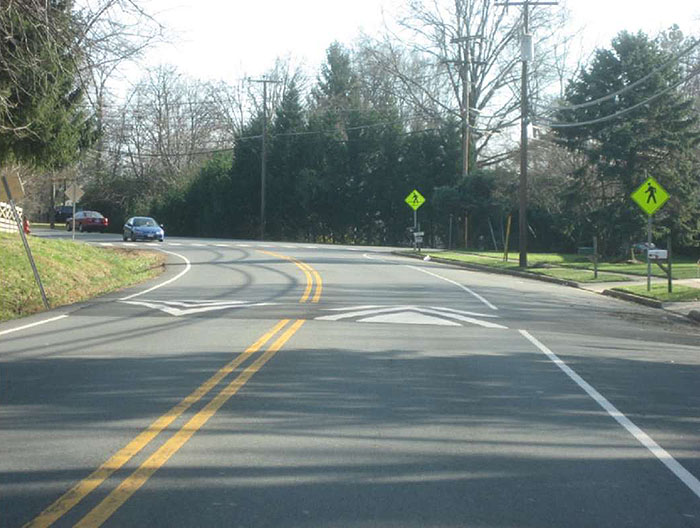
x=660, y=292
x=683, y=267
x=70, y=272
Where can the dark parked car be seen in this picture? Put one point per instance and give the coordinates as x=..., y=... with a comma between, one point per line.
x=143, y=228
x=88, y=221
x=64, y=212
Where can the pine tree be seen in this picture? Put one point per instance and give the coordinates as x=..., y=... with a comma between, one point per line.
x=655, y=139
x=42, y=119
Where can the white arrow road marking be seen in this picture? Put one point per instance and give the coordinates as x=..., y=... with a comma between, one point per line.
x=408, y=318
x=180, y=308
x=410, y=315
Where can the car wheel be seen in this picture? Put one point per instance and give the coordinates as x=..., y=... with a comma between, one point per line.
x=133, y=237
x=67, y=226
x=124, y=237
x=80, y=228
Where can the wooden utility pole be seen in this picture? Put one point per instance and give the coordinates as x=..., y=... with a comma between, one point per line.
x=263, y=168
x=526, y=56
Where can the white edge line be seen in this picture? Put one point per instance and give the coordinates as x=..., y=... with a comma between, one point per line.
x=176, y=277
x=32, y=324
x=659, y=452
x=487, y=303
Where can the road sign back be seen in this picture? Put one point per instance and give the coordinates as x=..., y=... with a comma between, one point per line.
x=650, y=196
x=74, y=192
x=15, y=185
x=415, y=200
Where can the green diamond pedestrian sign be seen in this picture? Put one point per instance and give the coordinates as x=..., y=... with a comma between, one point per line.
x=650, y=196
x=415, y=200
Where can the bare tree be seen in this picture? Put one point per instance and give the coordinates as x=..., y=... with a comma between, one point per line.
x=457, y=59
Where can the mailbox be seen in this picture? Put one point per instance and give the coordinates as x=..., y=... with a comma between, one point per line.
x=658, y=254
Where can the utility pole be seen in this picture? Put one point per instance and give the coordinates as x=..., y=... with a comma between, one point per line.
x=263, y=168
x=526, y=56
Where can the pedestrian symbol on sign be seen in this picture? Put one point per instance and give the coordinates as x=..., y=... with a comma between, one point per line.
x=651, y=191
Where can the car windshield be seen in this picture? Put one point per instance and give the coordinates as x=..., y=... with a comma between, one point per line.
x=144, y=222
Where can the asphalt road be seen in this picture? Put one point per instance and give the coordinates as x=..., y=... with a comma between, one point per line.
x=303, y=385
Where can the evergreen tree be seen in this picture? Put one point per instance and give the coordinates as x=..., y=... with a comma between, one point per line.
x=655, y=139
x=42, y=119
x=286, y=162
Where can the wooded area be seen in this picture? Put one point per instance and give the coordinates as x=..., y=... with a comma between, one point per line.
x=346, y=145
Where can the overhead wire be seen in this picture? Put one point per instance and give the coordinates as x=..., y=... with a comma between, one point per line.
x=619, y=112
x=673, y=60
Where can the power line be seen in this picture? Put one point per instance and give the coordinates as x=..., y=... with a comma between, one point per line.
x=623, y=111
x=246, y=138
x=629, y=87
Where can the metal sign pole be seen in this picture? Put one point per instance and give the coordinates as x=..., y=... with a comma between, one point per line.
x=595, y=257
x=648, y=248
x=670, y=266
x=24, y=241
x=415, y=228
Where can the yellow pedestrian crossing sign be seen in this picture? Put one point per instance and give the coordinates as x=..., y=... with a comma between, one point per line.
x=415, y=200
x=650, y=196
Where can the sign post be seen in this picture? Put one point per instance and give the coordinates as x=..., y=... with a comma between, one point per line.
x=650, y=196
x=8, y=193
x=74, y=193
x=414, y=201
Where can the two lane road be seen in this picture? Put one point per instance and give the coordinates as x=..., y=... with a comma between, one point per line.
x=307, y=385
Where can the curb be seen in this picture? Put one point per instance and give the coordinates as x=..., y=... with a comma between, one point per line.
x=693, y=316
x=653, y=303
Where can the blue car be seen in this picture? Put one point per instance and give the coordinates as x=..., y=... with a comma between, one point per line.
x=143, y=228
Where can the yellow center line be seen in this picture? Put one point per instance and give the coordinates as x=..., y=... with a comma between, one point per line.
x=98, y=515
x=310, y=274
x=121, y=457
x=319, y=282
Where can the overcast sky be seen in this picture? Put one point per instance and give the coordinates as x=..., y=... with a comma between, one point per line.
x=229, y=39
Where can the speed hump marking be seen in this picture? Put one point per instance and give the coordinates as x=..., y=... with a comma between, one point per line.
x=650, y=196
x=415, y=200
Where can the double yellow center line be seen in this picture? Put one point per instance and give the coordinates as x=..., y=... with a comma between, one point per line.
x=100, y=513
x=311, y=275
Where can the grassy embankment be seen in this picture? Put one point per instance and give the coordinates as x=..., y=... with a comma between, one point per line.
x=580, y=269
x=70, y=272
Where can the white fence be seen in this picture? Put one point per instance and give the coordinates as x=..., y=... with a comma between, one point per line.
x=7, y=219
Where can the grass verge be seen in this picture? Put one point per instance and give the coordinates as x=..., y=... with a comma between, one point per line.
x=70, y=272
x=660, y=292
x=683, y=268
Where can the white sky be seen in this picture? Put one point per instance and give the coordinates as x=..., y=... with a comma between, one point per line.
x=229, y=39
